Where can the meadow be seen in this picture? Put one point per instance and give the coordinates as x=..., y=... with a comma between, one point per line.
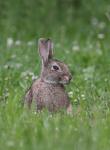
x=80, y=31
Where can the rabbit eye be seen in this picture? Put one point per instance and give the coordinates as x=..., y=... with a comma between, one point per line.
x=55, y=67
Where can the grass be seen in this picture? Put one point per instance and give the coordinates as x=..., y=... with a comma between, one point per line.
x=84, y=46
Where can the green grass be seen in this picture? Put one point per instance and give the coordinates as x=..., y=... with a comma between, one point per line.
x=81, y=43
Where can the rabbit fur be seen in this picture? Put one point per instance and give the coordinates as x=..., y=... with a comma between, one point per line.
x=48, y=91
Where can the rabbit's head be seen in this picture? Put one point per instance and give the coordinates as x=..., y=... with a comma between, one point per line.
x=53, y=70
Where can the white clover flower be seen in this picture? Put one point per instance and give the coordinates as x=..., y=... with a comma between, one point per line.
x=56, y=129
x=100, y=36
x=18, y=42
x=105, y=79
x=10, y=42
x=70, y=94
x=30, y=73
x=34, y=77
x=75, y=100
x=30, y=43
x=7, y=78
x=35, y=112
x=75, y=47
x=6, y=66
x=82, y=95
x=26, y=73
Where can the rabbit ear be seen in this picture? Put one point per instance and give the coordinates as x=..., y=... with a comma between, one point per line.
x=45, y=49
x=50, y=48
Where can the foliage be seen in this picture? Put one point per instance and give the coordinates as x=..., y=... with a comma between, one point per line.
x=80, y=31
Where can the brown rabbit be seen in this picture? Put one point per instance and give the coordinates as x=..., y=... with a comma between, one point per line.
x=48, y=91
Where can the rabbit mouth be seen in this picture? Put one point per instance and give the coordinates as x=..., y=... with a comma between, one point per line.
x=64, y=82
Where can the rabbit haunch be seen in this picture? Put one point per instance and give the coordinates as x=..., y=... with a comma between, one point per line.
x=48, y=91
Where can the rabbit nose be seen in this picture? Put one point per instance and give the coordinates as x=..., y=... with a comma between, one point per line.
x=66, y=78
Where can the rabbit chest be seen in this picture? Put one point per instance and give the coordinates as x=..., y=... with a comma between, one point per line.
x=50, y=96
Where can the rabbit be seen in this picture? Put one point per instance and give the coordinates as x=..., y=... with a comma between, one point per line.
x=48, y=91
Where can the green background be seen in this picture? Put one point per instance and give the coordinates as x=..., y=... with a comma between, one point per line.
x=80, y=30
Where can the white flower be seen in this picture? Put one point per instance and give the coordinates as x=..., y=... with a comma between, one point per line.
x=100, y=36
x=82, y=95
x=75, y=47
x=27, y=73
x=6, y=66
x=70, y=94
x=30, y=43
x=9, y=42
x=17, y=43
x=35, y=112
x=56, y=129
x=34, y=77
x=105, y=79
x=75, y=100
